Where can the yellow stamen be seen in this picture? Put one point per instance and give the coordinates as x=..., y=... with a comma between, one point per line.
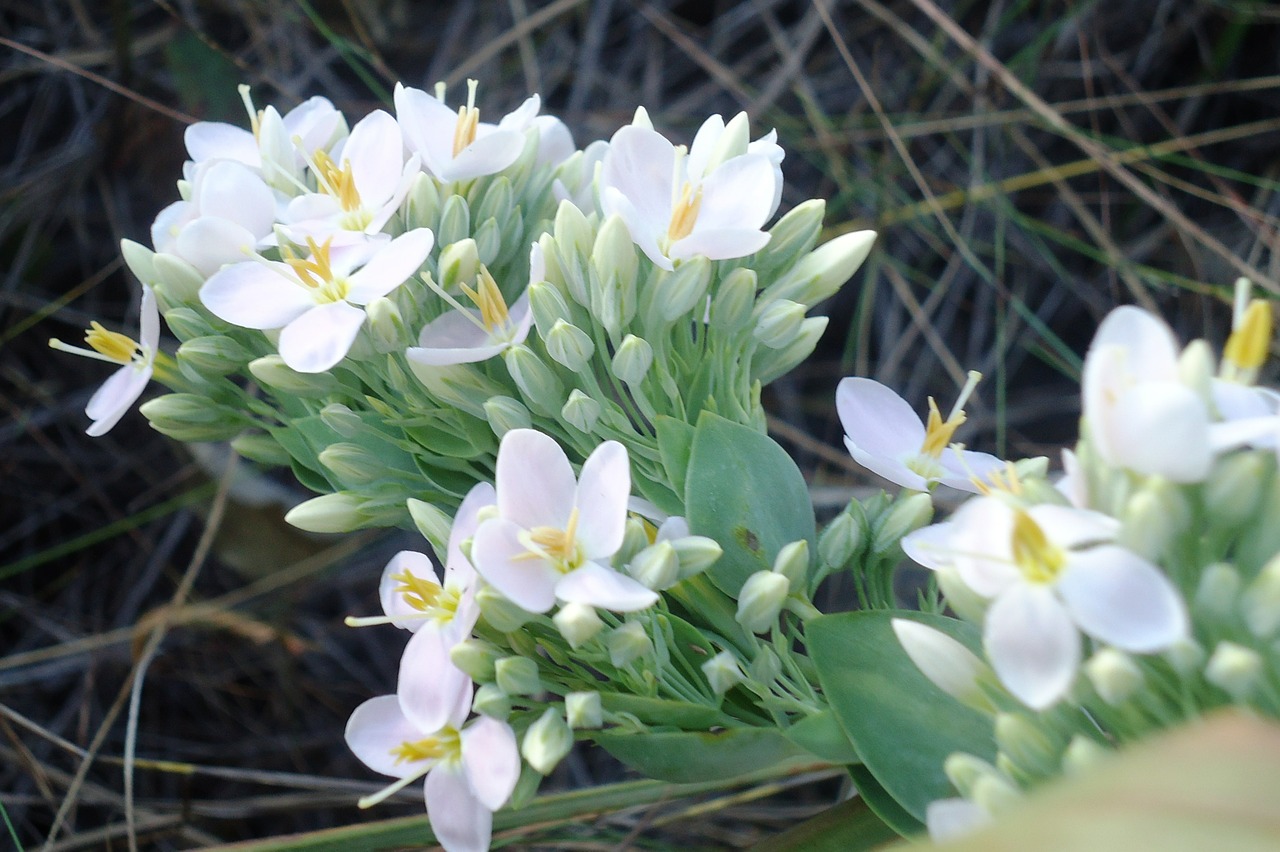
x=255, y=115
x=337, y=182
x=427, y=748
x=558, y=545
x=316, y=271
x=684, y=213
x=1038, y=558
x=1005, y=479
x=938, y=432
x=112, y=344
x=417, y=592
x=488, y=298
x=464, y=132
x=1248, y=345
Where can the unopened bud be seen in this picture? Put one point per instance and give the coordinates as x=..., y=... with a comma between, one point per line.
x=517, y=676
x=192, y=417
x=459, y=263
x=766, y=667
x=569, y=346
x=907, y=515
x=1082, y=754
x=760, y=601
x=581, y=411
x=500, y=613
x=328, y=513
x=572, y=234
x=1186, y=656
x=342, y=420
x=422, y=202
x=696, y=553
x=995, y=794
x=1218, y=591
x=677, y=293
x=534, y=378
x=614, y=256
x=583, y=710
x=792, y=562
x=824, y=270
x=841, y=540
x=1260, y=603
x=272, y=372
x=1153, y=518
x=261, y=448
x=548, y=306
x=769, y=364
x=491, y=701
x=627, y=643
x=722, y=672
x=1234, y=488
x=455, y=221
x=434, y=524
x=476, y=658
x=963, y=600
x=547, y=741
x=657, y=567
x=1026, y=744
x=633, y=359
x=734, y=300
x=177, y=282
x=386, y=326
x=794, y=234
x=505, y=414
x=779, y=323
x=352, y=464
x=213, y=355
x=577, y=623
x=187, y=324
x=731, y=143
x=949, y=665
x=1114, y=675
x=1195, y=368
x=965, y=770
x=1234, y=669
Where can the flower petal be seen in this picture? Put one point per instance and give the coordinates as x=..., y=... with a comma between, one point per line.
x=640, y=164
x=949, y=819
x=737, y=195
x=459, y=819
x=535, y=483
x=1032, y=644
x=255, y=294
x=376, y=728
x=231, y=191
x=596, y=585
x=491, y=760
x=506, y=564
x=391, y=266
x=465, y=523
x=110, y=401
x=982, y=546
x=209, y=243
x=375, y=151
x=393, y=602
x=207, y=140
x=601, y=500
x=719, y=243
x=433, y=692
x=1122, y=599
x=1161, y=428
x=876, y=419
x=488, y=155
x=321, y=337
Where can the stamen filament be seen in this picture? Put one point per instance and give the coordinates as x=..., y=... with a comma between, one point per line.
x=488, y=298
x=391, y=789
x=463, y=309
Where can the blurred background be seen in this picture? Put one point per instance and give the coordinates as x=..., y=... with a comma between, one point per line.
x=1028, y=164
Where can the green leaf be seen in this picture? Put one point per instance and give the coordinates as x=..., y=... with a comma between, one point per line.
x=662, y=711
x=689, y=756
x=744, y=491
x=822, y=735
x=848, y=827
x=882, y=804
x=902, y=725
x=675, y=441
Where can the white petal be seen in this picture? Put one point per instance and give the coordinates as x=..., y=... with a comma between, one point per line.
x=376, y=728
x=555, y=141
x=601, y=500
x=891, y=468
x=233, y=192
x=1118, y=597
x=321, y=337
x=719, y=243
x=1162, y=428
x=949, y=819
x=149, y=322
x=376, y=153
x=1068, y=527
x=505, y=564
x=253, y=294
x=210, y=243
x=930, y=546
x=1238, y=402
x=535, y=482
x=487, y=155
x=459, y=819
x=465, y=523
x=982, y=543
x=491, y=759
x=427, y=124
x=963, y=466
x=595, y=585
x=432, y=690
x=393, y=603
x=737, y=195
x=388, y=269
x=876, y=419
x=644, y=231
x=168, y=223
x=1032, y=644
x=701, y=146
x=640, y=164
x=207, y=140
x=110, y=401
x=1151, y=350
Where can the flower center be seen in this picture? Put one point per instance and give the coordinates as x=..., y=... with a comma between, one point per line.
x=684, y=212
x=559, y=546
x=337, y=182
x=316, y=271
x=464, y=131
x=428, y=598
x=1249, y=343
x=488, y=298
x=1039, y=559
x=111, y=344
x=444, y=744
x=938, y=432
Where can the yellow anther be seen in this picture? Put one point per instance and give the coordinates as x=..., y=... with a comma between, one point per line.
x=427, y=748
x=316, y=271
x=684, y=213
x=338, y=182
x=1248, y=345
x=417, y=592
x=464, y=132
x=488, y=298
x=1039, y=559
x=558, y=545
x=1004, y=479
x=938, y=432
x=111, y=344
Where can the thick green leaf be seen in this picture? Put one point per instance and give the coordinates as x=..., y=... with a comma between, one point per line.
x=744, y=491
x=822, y=735
x=902, y=725
x=847, y=827
x=662, y=711
x=675, y=442
x=689, y=756
x=882, y=804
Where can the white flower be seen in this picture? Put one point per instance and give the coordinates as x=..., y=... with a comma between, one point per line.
x=884, y=435
x=947, y=664
x=314, y=300
x=456, y=146
x=951, y=819
x=555, y=142
x=1138, y=413
x=1052, y=572
x=465, y=335
x=554, y=533
x=712, y=200
x=136, y=359
x=470, y=771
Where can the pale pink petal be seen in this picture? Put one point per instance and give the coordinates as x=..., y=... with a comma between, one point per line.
x=459, y=819
x=596, y=585
x=210, y=243
x=535, y=482
x=389, y=268
x=1032, y=644
x=876, y=419
x=505, y=564
x=491, y=760
x=321, y=337
x=718, y=243
x=433, y=692
x=254, y=294
x=465, y=523
x=394, y=604
x=116, y=395
x=1120, y=598
x=207, y=140
x=737, y=195
x=376, y=728
x=601, y=500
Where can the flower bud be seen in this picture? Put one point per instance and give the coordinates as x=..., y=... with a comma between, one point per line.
x=614, y=257
x=734, y=300
x=1026, y=744
x=677, y=293
x=261, y=448
x=458, y=264
x=1261, y=601
x=1195, y=368
x=569, y=346
x=352, y=464
x=769, y=364
x=328, y=513
x=583, y=710
x=499, y=613
x=1082, y=754
x=633, y=359
x=498, y=200
x=696, y=553
x=995, y=794
x=779, y=323
x=792, y=562
x=1234, y=669
x=577, y=623
x=723, y=672
x=1114, y=675
x=760, y=601
x=964, y=601
x=547, y=741
x=517, y=676
x=627, y=643
x=505, y=414
x=948, y=664
x=139, y=259
x=491, y=701
x=455, y=221
x=732, y=142
x=965, y=770
x=434, y=524
x=177, y=282
x=572, y=233
x=488, y=240
x=823, y=271
x=635, y=538
x=421, y=203
x=192, y=417
x=657, y=567
x=1186, y=656
x=841, y=540
x=1234, y=488
x=387, y=331
x=1218, y=591
x=213, y=355
x=765, y=668
x=187, y=324
x=476, y=658
x=274, y=374
x=1153, y=518
x=539, y=385
x=907, y=514
x=581, y=411
x=341, y=419
x=548, y=306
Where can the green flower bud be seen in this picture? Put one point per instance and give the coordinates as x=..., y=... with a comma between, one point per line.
x=191, y=417
x=498, y=612
x=459, y=264
x=577, y=623
x=734, y=301
x=613, y=256
x=732, y=142
x=779, y=323
x=352, y=464
x=434, y=524
x=140, y=260
x=765, y=668
x=498, y=200
x=907, y=515
x=627, y=643
x=769, y=364
x=1218, y=591
x=213, y=355
x=476, y=658
x=964, y=601
x=328, y=513
x=1153, y=517
x=584, y=710
x=261, y=448
x=387, y=331
x=462, y=386
x=272, y=372
x=1186, y=656
x=657, y=567
x=793, y=235
x=455, y=221
x=569, y=346
x=696, y=553
x=760, y=601
x=677, y=293
x=633, y=359
x=421, y=203
x=635, y=538
x=517, y=676
x=947, y=663
x=547, y=741
x=177, y=282
x=548, y=306
x=1196, y=368
x=1234, y=669
x=1234, y=488
x=187, y=324
x=1261, y=601
x=489, y=240
x=723, y=672
x=792, y=562
x=581, y=411
x=841, y=540
x=1114, y=675
x=491, y=701
x=541, y=389
x=1026, y=744
x=1082, y=754
x=572, y=233
x=505, y=414
x=965, y=770
x=995, y=794
x=823, y=271
x=341, y=419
